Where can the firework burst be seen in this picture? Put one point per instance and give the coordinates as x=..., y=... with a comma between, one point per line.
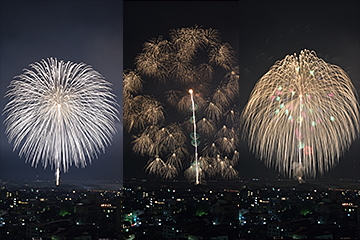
x=163, y=122
x=60, y=113
x=302, y=115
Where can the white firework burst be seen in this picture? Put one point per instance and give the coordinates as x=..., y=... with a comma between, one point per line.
x=60, y=113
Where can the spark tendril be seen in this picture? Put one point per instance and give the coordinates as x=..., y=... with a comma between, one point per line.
x=195, y=137
x=60, y=113
x=302, y=115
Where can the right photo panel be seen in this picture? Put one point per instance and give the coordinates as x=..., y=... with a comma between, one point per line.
x=299, y=84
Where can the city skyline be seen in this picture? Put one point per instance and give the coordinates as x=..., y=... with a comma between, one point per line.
x=114, y=197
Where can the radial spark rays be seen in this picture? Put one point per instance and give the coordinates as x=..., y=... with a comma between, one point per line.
x=193, y=58
x=60, y=113
x=302, y=115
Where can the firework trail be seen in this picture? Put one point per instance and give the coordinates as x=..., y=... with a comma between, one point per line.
x=57, y=176
x=193, y=58
x=195, y=136
x=61, y=113
x=302, y=115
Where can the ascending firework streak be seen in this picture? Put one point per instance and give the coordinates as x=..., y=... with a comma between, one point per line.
x=60, y=113
x=302, y=115
x=195, y=135
x=57, y=175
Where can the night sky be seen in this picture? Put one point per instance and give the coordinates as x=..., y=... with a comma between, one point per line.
x=261, y=32
x=146, y=20
x=270, y=30
x=77, y=31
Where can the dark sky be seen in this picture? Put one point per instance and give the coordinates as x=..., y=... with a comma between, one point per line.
x=146, y=20
x=77, y=31
x=270, y=30
x=261, y=32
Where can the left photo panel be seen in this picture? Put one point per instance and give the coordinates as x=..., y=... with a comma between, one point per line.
x=61, y=131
